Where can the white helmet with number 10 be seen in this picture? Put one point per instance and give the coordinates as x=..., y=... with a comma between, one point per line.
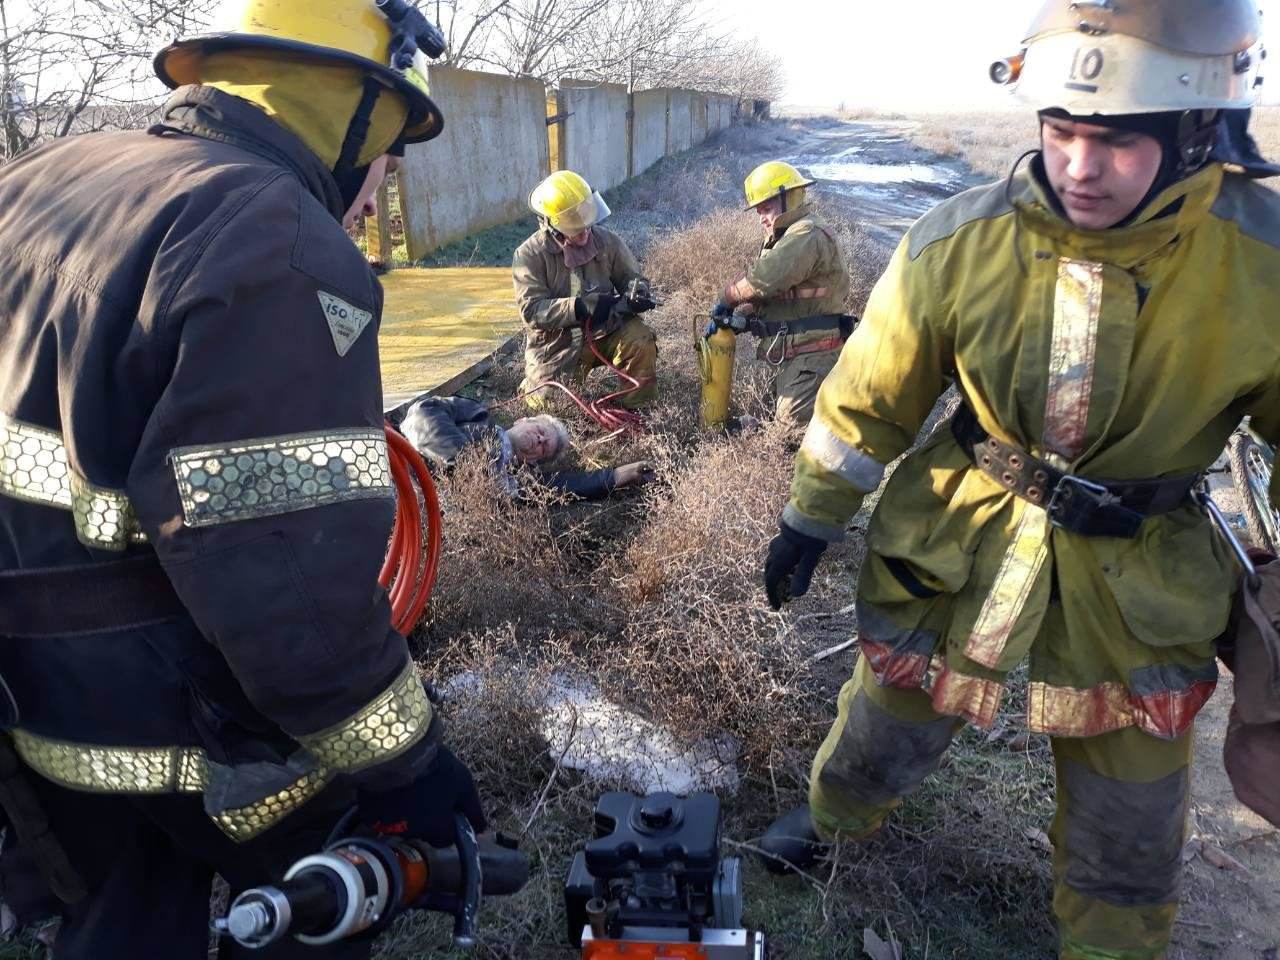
x=1112, y=57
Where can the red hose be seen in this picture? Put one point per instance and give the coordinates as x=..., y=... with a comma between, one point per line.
x=611, y=418
x=413, y=558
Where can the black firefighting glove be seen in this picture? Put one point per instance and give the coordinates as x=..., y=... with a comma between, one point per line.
x=596, y=307
x=789, y=566
x=734, y=322
x=424, y=808
x=640, y=297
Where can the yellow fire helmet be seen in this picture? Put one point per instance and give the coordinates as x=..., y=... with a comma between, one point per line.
x=567, y=203
x=772, y=179
x=1114, y=57
x=386, y=38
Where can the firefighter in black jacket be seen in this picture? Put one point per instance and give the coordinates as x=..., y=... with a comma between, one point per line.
x=195, y=497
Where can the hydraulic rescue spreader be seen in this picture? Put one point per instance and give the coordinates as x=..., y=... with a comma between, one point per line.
x=357, y=885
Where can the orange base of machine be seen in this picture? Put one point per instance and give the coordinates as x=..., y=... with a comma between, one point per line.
x=630, y=950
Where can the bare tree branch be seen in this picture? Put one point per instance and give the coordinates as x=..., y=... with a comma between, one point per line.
x=71, y=66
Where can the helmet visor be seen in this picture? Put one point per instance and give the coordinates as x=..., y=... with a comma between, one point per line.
x=582, y=215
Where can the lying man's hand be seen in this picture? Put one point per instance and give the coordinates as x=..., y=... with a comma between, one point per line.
x=632, y=474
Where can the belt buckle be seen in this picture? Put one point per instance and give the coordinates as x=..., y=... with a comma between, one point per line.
x=1065, y=489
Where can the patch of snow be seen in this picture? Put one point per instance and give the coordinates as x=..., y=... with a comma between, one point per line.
x=855, y=172
x=615, y=745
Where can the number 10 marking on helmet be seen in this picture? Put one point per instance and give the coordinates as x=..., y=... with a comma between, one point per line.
x=1085, y=65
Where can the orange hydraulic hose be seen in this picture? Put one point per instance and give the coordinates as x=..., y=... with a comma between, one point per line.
x=413, y=558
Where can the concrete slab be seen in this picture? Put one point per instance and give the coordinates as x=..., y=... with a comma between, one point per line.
x=441, y=327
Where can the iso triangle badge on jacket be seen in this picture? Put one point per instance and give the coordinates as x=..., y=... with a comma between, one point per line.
x=195, y=494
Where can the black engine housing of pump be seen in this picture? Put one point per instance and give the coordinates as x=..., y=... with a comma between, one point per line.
x=655, y=862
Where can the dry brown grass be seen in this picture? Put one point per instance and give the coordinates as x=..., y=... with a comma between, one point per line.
x=988, y=142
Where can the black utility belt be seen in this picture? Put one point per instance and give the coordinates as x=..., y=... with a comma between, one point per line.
x=1090, y=508
x=87, y=598
x=790, y=328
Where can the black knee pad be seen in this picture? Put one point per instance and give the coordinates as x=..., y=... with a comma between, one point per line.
x=1123, y=840
x=879, y=757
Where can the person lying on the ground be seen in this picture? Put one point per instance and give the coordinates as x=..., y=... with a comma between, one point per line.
x=440, y=428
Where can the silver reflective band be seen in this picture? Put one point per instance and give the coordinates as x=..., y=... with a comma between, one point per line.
x=33, y=467
x=272, y=475
x=797, y=521
x=104, y=518
x=33, y=464
x=840, y=458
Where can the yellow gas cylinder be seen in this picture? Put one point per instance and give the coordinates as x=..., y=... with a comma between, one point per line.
x=715, y=360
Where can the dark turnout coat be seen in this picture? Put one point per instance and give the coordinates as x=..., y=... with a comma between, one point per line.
x=189, y=372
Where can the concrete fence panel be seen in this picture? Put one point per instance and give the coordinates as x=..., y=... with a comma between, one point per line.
x=680, y=121
x=724, y=112
x=698, y=108
x=648, y=129
x=592, y=134
x=479, y=171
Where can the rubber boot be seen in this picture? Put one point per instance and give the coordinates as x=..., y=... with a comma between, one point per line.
x=791, y=843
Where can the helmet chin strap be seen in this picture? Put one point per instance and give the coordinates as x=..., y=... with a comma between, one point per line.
x=1197, y=133
x=1185, y=150
x=350, y=178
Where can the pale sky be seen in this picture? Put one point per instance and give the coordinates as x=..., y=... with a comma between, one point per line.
x=897, y=53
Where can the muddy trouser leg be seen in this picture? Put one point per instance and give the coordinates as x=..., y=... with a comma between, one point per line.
x=149, y=864
x=884, y=742
x=1123, y=799
x=796, y=384
x=633, y=349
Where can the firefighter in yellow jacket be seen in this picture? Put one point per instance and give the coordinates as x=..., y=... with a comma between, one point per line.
x=572, y=276
x=793, y=296
x=1050, y=521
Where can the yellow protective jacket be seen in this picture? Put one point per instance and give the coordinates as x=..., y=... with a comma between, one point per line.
x=799, y=273
x=1128, y=353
